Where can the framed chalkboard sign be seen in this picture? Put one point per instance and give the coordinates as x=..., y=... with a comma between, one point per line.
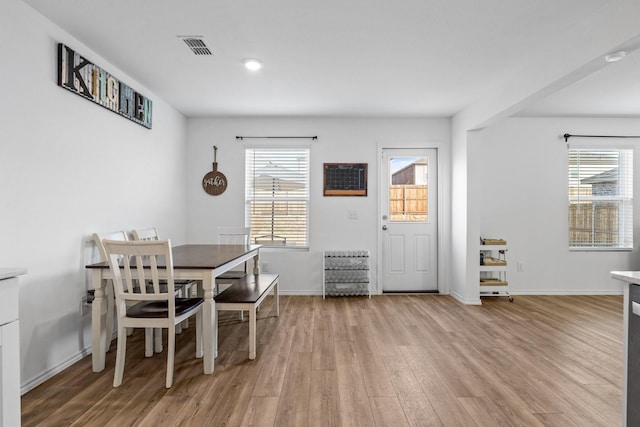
x=345, y=179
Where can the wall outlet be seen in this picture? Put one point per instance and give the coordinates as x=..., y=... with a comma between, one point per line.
x=85, y=306
x=352, y=214
x=520, y=266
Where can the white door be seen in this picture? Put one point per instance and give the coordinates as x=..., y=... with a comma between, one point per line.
x=409, y=223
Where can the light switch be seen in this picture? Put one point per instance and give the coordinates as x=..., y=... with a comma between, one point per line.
x=353, y=214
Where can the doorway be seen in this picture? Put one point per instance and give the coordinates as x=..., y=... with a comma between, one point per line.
x=409, y=220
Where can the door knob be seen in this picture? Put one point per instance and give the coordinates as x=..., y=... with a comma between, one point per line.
x=384, y=227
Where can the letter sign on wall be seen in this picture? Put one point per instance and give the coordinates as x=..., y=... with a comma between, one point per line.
x=86, y=79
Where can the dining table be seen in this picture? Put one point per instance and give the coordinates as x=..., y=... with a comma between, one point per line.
x=199, y=262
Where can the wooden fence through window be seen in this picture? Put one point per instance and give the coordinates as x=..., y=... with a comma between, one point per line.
x=408, y=202
x=593, y=224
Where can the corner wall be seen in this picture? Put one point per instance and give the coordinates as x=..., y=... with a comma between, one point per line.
x=520, y=167
x=69, y=168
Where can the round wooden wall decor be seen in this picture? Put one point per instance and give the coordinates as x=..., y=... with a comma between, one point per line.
x=214, y=182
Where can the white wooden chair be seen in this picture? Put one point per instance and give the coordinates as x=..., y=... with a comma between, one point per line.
x=233, y=236
x=183, y=287
x=109, y=297
x=152, y=307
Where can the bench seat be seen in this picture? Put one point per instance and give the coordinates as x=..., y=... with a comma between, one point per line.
x=246, y=295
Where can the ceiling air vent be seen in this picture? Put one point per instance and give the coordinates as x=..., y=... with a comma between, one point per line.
x=197, y=44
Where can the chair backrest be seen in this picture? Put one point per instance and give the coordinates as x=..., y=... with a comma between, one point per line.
x=99, y=237
x=145, y=234
x=270, y=240
x=133, y=262
x=234, y=235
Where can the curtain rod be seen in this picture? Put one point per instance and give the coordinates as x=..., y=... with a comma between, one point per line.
x=568, y=135
x=276, y=137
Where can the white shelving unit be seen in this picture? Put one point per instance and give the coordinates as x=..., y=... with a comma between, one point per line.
x=493, y=271
x=345, y=273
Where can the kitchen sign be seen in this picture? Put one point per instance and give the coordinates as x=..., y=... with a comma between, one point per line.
x=86, y=79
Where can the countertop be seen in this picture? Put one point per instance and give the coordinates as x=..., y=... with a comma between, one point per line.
x=7, y=273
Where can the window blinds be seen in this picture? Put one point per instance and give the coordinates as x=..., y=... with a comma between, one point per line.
x=277, y=195
x=600, y=198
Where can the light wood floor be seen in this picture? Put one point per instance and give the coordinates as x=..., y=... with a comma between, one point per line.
x=387, y=361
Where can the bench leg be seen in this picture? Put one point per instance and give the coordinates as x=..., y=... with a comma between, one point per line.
x=276, y=295
x=252, y=333
x=215, y=338
x=199, y=345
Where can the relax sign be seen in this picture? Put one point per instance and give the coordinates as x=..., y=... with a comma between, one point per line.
x=86, y=79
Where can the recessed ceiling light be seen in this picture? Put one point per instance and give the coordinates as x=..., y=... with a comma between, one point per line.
x=252, y=64
x=615, y=56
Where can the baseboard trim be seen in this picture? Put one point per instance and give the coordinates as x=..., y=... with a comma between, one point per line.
x=563, y=292
x=464, y=301
x=50, y=373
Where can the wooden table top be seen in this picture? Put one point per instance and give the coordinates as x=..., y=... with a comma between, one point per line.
x=206, y=257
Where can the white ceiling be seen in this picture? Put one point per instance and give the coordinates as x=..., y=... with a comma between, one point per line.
x=613, y=90
x=342, y=57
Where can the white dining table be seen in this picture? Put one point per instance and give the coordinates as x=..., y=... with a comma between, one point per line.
x=190, y=262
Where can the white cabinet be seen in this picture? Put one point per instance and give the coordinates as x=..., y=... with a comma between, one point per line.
x=345, y=273
x=631, y=354
x=9, y=348
x=493, y=271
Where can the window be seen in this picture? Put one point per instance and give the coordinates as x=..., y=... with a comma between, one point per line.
x=277, y=196
x=600, y=198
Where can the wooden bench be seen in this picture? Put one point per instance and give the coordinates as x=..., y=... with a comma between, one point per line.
x=247, y=295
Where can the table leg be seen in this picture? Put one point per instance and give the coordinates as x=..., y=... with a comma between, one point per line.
x=209, y=330
x=98, y=320
x=256, y=263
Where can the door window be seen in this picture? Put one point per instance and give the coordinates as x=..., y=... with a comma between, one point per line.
x=409, y=189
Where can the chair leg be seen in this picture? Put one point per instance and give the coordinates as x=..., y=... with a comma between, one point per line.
x=148, y=342
x=110, y=298
x=120, y=356
x=178, y=327
x=157, y=340
x=184, y=293
x=171, y=348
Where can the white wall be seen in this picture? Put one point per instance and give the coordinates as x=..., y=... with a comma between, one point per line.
x=550, y=69
x=339, y=140
x=69, y=168
x=520, y=167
